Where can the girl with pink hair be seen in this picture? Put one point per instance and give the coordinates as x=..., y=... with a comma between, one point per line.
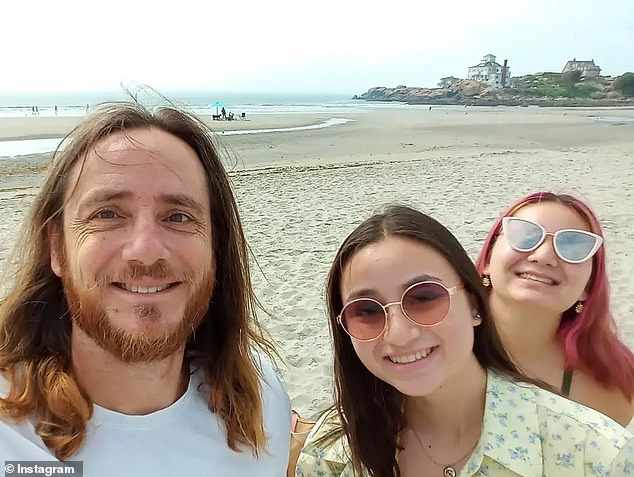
x=543, y=263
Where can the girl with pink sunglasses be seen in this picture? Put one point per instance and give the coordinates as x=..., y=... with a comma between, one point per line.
x=423, y=385
x=544, y=266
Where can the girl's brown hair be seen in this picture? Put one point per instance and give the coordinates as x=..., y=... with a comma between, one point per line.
x=372, y=411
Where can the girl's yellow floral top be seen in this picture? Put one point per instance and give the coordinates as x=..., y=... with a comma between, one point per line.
x=526, y=431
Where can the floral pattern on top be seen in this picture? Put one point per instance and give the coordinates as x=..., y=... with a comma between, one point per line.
x=526, y=432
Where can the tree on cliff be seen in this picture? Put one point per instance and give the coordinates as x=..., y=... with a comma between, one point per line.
x=625, y=84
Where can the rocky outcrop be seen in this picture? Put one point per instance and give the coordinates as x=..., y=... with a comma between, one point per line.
x=461, y=92
x=476, y=93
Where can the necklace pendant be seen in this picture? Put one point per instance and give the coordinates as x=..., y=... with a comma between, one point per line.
x=449, y=471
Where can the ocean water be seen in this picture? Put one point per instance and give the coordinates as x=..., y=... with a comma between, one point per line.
x=199, y=102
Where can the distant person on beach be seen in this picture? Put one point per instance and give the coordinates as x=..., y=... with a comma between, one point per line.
x=544, y=266
x=223, y=112
x=55, y=110
x=128, y=338
x=423, y=384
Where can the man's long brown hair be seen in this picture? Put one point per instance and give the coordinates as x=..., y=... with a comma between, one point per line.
x=372, y=411
x=35, y=328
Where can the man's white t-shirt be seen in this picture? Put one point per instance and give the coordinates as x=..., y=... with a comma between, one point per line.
x=184, y=439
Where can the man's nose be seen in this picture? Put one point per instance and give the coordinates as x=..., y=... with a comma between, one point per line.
x=146, y=243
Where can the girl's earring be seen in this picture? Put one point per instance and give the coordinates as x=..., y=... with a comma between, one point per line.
x=579, y=307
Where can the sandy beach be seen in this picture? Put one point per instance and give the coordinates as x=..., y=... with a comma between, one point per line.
x=301, y=192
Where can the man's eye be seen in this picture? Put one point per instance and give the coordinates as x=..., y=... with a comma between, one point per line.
x=179, y=217
x=105, y=214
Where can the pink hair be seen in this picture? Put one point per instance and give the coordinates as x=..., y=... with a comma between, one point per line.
x=589, y=339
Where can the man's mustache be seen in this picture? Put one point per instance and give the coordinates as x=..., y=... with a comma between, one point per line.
x=159, y=270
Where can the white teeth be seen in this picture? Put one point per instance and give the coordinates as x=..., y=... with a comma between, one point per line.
x=528, y=276
x=138, y=289
x=410, y=358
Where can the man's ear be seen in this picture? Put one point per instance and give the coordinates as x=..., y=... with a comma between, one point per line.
x=55, y=246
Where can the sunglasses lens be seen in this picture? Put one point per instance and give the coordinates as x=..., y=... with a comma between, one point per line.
x=363, y=319
x=575, y=246
x=521, y=235
x=426, y=303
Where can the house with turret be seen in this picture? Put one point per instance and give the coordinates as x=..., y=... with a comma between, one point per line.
x=491, y=72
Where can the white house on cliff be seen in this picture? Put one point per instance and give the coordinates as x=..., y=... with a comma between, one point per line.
x=490, y=71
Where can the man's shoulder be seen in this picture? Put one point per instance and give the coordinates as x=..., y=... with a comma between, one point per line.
x=19, y=441
x=18, y=438
x=264, y=367
x=272, y=388
x=270, y=376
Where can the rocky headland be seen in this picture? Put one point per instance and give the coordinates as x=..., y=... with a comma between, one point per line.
x=475, y=93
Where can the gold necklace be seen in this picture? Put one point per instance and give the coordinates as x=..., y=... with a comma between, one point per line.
x=448, y=470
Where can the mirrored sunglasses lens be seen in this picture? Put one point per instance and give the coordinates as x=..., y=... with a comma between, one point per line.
x=363, y=319
x=575, y=246
x=521, y=235
x=426, y=303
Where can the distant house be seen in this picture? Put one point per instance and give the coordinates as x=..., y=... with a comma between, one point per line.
x=447, y=81
x=587, y=68
x=490, y=71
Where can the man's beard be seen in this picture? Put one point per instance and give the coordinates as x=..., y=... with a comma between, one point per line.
x=88, y=312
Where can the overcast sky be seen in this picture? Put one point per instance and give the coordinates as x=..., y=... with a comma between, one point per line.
x=336, y=46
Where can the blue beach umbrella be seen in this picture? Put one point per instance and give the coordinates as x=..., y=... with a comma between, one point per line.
x=216, y=104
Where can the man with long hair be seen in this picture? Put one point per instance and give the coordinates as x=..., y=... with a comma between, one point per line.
x=128, y=334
